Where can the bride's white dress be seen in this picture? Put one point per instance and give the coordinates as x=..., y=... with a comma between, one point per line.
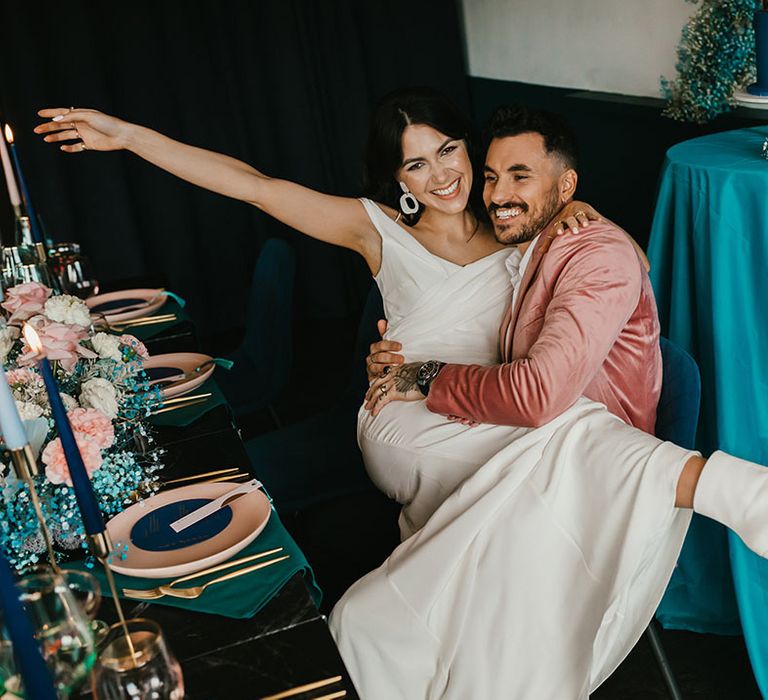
x=533, y=559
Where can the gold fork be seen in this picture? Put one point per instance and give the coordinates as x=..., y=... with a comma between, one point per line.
x=154, y=593
x=197, y=591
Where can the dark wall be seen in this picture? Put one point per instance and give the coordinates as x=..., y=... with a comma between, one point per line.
x=285, y=85
x=622, y=142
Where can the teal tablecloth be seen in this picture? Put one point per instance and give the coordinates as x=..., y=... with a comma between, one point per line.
x=709, y=268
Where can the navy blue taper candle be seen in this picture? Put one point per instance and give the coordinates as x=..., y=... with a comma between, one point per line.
x=33, y=222
x=34, y=672
x=81, y=482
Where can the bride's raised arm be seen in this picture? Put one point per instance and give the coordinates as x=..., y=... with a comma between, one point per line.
x=338, y=220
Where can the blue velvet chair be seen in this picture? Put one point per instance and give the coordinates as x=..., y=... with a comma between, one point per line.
x=676, y=418
x=263, y=359
x=318, y=458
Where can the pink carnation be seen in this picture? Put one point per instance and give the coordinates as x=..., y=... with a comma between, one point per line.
x=25, y=300
x=94, y=424
x=60, y=342
x=56, y=468
x=133, y=342
x=24, y=376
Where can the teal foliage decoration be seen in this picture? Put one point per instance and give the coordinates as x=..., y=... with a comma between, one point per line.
x=716, y=55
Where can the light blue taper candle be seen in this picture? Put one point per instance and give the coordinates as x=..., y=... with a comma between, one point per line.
x=11, y=425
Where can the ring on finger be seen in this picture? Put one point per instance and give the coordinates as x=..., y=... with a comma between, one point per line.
x=383, y=389
x=386, y=369
x=83, y=147
x=580, y=213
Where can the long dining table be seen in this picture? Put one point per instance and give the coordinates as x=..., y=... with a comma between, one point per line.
x=287, y=643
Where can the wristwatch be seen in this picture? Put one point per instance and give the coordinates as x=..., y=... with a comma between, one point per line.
x=426, y=374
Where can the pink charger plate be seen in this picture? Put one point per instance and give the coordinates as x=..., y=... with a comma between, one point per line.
x=250, y=514
x=153, y=298
x=184, y=362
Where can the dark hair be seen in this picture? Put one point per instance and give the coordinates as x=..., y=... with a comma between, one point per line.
x=513, y=120
x=384, y=153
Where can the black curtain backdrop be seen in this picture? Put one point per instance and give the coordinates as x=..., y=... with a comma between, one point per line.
x=285, y=85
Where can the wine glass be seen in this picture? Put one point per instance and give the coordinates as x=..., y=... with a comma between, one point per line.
x=62, y=628
x=87, y=593
x=142, y=669
x=77, y=277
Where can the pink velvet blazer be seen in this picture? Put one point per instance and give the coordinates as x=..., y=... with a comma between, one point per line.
x=585, y=323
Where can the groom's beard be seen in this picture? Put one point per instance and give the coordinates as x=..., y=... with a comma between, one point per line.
x=526, y=225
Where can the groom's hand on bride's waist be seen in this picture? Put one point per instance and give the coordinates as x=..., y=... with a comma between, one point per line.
x=398, y=384
x=383, y=355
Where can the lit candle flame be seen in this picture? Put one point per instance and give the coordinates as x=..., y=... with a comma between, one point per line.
x=33, y=339
x=8, y=133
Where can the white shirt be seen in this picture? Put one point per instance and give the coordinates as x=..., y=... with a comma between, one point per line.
x=516, y=264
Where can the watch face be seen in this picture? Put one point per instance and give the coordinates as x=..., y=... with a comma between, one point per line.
x=427, y=370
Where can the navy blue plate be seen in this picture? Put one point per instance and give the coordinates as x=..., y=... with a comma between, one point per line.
x=116, y=305
x=162, y=372
x=153, y=532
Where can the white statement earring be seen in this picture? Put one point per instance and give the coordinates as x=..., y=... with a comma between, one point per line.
x=408, y=203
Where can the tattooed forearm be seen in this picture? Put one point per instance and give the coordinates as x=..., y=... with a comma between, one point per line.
x=405, y=377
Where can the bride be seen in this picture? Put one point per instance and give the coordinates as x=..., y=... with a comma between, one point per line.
x=543, y=554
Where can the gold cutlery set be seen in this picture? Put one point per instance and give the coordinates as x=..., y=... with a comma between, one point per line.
x=170, y=589
x=206, y=478
x=135, y=322
x=308, y=687
x=180, y=402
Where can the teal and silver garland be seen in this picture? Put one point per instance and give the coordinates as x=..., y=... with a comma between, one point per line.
x=716, y=55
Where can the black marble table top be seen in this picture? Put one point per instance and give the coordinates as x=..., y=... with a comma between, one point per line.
x=286, y=644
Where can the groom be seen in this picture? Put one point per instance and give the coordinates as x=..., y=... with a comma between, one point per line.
x=582, y=319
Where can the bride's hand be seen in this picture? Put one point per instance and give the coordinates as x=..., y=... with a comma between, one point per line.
x=97, y=131
x=575, y=215
x=397, y=385
x=383, y=354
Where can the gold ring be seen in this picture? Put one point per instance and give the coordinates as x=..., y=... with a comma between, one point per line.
x=580, y=213
x=383, y=389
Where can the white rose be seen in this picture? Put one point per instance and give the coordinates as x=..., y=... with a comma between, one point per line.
x=67, y=309
x=99, y=394
x=7, y=339
x=69, y=402
x=28, y=410
x=107, y=346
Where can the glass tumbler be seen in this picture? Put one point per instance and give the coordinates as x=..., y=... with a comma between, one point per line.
x=145, y=669
x=61, y=627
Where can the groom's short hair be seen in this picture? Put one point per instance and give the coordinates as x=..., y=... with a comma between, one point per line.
x=513, y=120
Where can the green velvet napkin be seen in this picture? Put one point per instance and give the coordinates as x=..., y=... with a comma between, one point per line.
x=241, y=597
x=182, y=417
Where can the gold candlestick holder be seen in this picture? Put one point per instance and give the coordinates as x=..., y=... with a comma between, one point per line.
x=26, y=468
x=100, y=546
